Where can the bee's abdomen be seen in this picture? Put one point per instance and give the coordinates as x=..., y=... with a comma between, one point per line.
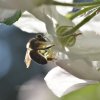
x=37, y=57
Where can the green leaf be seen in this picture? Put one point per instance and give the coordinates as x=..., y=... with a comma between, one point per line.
x=12, y=19
x=90, y=92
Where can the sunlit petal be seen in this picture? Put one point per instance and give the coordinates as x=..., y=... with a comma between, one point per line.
x=30, y=24
x=60, y=82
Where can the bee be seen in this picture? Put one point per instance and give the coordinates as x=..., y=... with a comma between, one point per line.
x=38, y=49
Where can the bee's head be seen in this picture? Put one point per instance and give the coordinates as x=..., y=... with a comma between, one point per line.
x=36, y=42
x=41, y=38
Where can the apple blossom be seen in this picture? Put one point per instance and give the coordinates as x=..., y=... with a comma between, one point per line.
x=83, y=63
x=81, y=56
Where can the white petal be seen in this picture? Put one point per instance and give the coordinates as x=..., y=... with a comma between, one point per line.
x=64, y=10
x=95, y=24
x=88, y=44
x=30, y=24
x=80, y=68
x=52, y=11
x=61, y=82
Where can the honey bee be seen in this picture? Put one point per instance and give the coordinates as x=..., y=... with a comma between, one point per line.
x=38, y=49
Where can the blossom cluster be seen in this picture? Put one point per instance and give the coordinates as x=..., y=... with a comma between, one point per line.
x=82, y=65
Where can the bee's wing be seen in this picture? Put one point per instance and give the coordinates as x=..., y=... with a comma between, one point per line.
x=37, y=57
x=27, y=58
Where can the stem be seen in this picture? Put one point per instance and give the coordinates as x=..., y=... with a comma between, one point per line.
x=84, y=21
x=81, y=12
x=75, y=4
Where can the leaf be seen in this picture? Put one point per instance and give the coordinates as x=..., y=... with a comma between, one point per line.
x=90, y=92
x=12, y=19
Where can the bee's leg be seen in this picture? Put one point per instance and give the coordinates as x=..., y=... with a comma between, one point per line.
x=46, y=47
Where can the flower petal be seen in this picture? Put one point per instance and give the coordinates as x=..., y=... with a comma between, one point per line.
x=53, y=13
x=61, y=82
x=64, y=10
x=30, y=24
x=86, y=47
x=87, y=44
x=80, y=68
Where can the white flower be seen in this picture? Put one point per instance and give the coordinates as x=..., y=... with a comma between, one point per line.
x=82, y=67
